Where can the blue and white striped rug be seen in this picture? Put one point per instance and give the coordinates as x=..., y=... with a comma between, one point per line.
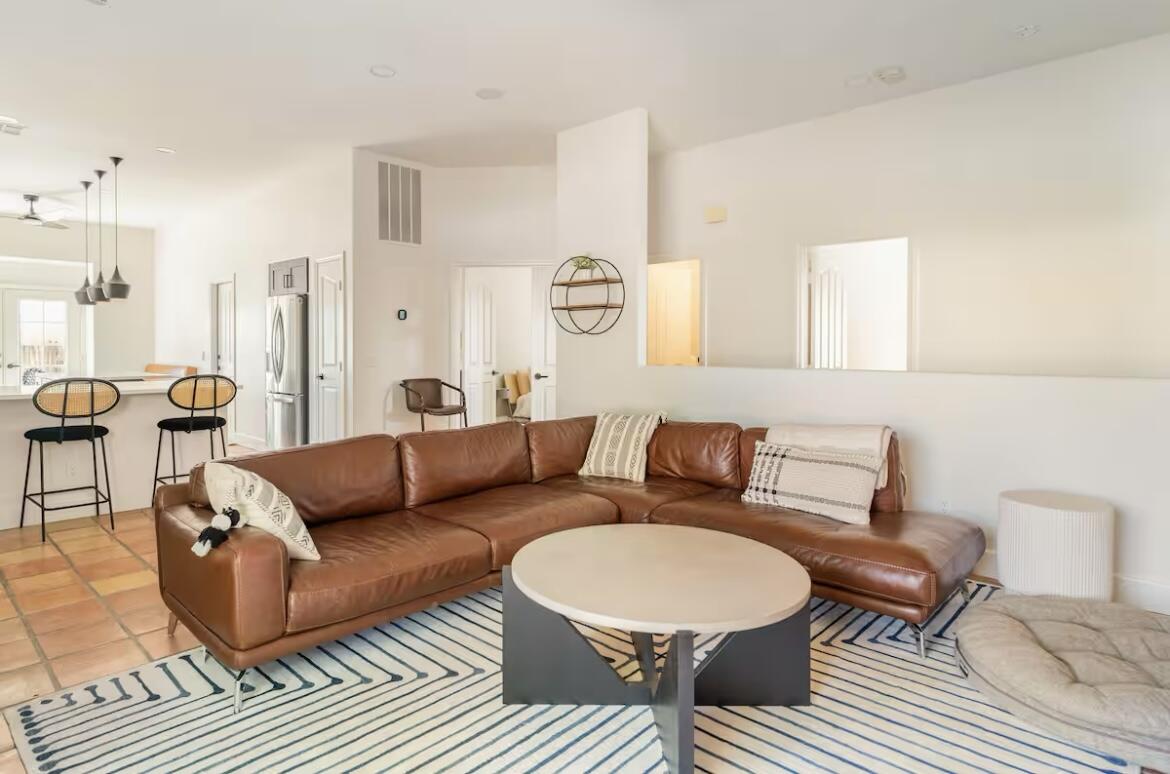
x=422, y=693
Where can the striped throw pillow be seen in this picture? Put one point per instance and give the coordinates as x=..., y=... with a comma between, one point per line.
x=618, y=446
x=834, y=484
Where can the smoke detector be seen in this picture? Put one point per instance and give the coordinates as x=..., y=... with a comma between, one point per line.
x=890, y=76
x=9, y=125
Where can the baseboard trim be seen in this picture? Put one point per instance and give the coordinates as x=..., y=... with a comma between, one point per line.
x=251, y=441
x=1146, y=594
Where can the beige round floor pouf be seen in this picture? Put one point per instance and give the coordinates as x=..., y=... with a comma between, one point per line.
x=1095, y=673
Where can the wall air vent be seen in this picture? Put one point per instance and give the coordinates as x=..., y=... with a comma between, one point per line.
x=399, y=204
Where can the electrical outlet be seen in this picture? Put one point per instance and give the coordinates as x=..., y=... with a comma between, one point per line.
x=946, y=506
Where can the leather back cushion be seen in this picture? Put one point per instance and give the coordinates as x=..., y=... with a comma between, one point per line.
x=888, y=499
x=707, y=452
x=441, y=464
x=328, y=481
x=558, y=446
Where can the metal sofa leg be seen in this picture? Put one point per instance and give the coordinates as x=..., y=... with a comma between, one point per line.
x=920, y=634
x=241, y=678
x=965, y=590
x=172, y=623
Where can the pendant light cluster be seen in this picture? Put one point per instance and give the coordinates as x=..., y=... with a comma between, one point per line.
x=102, y=290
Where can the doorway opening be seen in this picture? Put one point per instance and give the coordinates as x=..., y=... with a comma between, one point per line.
x=674, y=313
x=855, y=309
x=505, y=347
x=223, y=340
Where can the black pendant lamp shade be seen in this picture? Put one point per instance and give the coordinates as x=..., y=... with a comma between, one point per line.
x=82, y=293
x=116, y=287
x=97, y=291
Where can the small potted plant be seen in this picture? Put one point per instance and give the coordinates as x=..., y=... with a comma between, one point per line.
x=584, y=263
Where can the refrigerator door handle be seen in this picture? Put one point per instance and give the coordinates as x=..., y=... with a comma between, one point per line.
x=278, y=345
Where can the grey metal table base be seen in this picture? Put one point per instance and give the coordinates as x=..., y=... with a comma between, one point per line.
x=548, y=661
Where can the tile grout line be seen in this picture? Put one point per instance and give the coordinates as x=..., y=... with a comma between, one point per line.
x=20, y=614
x=113, y=613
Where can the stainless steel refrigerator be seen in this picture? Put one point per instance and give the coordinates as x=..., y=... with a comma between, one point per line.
x=287, y=371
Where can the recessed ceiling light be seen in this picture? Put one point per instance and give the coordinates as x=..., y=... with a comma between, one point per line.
x=489, y=93
x=890, y=75
x=166, y=150
x=1027, y=30
x=383, y=71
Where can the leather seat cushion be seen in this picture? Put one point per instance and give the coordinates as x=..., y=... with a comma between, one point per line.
x=634, y=500
x=191, y=424
x=511, y=516
x=60, y=434
x=374, y=562
x=443, y=411
x=909, y=557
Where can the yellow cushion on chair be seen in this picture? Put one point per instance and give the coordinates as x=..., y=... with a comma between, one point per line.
x=513, y=385
x=523, y=382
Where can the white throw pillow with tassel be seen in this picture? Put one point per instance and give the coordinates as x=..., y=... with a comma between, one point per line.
x=259, y=504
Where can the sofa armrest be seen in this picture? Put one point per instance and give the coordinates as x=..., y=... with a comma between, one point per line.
x=238, y=591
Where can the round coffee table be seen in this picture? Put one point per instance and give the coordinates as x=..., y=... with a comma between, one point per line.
x=657, y=579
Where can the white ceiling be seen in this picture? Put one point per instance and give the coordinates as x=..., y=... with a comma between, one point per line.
x=242, y=87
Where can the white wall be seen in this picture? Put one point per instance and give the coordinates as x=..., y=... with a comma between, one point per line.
x=966, y=437
x=1035, y=203
x=471, y=216
x=123, y=331
x=305, y=211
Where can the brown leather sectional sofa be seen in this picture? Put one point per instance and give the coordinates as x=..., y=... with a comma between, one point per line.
x=405, y=523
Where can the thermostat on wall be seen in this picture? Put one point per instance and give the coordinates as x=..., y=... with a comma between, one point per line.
x=401, y=314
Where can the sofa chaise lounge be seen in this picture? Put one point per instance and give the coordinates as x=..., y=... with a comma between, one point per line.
x=404, y=523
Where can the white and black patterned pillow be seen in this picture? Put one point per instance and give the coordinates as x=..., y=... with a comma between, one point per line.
x=834, y=484
x=261, y=504
x=618, y=446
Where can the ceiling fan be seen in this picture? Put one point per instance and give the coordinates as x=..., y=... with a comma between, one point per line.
x=31, y=218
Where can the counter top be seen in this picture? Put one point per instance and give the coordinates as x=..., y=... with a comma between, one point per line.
x=155, y=386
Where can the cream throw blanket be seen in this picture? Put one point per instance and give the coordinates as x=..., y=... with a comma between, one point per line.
x=863, y=439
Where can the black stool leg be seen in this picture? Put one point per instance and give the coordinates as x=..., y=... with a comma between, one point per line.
x=27, y=470
x=97, y=491
x=109, y=492
x=223, y=441
x=41, y=454
x=211, y=440
x=174, y=464
x=157, y=458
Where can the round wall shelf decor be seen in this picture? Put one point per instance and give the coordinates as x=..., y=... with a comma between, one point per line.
x=587, y=295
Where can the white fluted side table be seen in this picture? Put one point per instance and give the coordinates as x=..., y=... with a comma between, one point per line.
x=1055, y=543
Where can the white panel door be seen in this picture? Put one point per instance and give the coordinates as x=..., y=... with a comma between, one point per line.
x=544, y=347
x=479, y=352
x=329, y=382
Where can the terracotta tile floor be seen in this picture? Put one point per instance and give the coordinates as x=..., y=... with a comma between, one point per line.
x=82, y=605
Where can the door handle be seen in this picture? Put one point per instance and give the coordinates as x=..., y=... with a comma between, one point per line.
x=12, y=365
x=540, y=376
x=495, y=373
x=321, y=376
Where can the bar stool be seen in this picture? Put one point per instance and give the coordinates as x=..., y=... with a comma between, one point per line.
x=201, y=392
x=69, y=399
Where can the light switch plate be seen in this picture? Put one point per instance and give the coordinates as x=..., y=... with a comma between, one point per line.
x=714, y=214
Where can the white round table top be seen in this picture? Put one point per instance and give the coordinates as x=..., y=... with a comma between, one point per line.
x=661, y=578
